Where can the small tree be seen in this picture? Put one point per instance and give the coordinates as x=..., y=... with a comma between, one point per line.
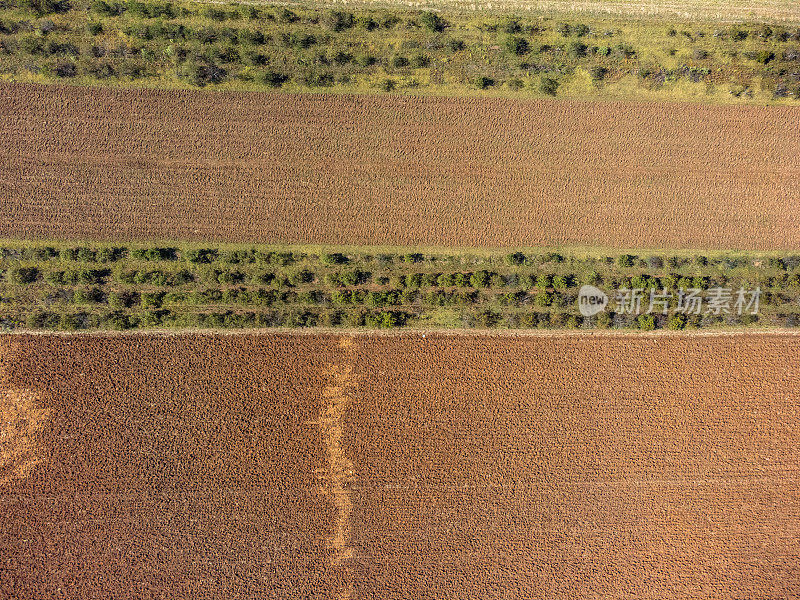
x=517, y=45
x=338, y=20
x=626, y=260
x=23, y=275
x=548, y=86
x=677, y=322
x=432, y=21
x=646, y=322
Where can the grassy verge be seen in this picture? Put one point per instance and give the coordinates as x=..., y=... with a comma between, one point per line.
x=303, y=48
x=58, y=286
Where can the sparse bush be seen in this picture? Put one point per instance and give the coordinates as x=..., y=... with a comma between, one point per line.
x=23, y=275
x=432, y=21
x=517, y=45
x=548, y=86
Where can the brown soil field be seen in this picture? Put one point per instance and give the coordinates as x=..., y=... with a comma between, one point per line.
x=393, y=170
x=284, y=466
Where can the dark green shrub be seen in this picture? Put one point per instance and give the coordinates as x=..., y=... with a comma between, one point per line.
x=44, y=7
x=432, y=21
x=333, y=259
x=626, y=260
x=548, y=86
x=107, y=9
x=116, y=320
x=203, y=256
x=274, y=79
x=543, y=299
x=23, y=275
x=487, y=318
x=577, y=50
x=677, y=322
x=597, y=72
x=480, y=279
x=517, y=45
x=301, y=277
x=337, y=20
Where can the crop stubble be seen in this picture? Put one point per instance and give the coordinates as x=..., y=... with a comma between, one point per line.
x=145, y=164
x=277, y=465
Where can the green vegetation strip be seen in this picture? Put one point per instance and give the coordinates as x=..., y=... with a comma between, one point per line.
x=65, y=287
x=233, y=46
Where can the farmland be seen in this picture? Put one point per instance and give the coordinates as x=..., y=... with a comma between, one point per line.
x=70, y=287
x=167, y=165
x=401, y=466
x=379, y=51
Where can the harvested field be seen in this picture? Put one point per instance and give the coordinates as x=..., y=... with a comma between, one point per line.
x=282, y=466
x=386, y=170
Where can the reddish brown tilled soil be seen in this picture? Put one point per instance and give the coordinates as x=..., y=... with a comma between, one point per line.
x=135, y=164
x=283, y=466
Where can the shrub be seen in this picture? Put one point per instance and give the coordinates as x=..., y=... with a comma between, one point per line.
x=677, y=322
x=274, y=79
x=548, y=86
x=116, y=320
x=203, y=256
x=561, y=282
x=497, y=280
x=23, y=275
x=597, y=72
x=593, y=278
x=337, y=20
x=445, y=280
x=646, y=322
x=301, y=277
x=38, y=319
x=66, y=69
x=577, y=50
x=399, y=62
x=455, y=45
x=484, y=82
x=107, y=9
x=604, y=320
x=109, y=254
x=333, y=259
x=419, y=61
x=626, y=260
x=517, y=45
x=202, y=75
x=487, y=318
x=432, y=21
x=44, y=7
x=543, y=299
x=480, y=279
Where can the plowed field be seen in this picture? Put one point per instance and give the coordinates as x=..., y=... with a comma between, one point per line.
x=279, y=466
x=388, y=170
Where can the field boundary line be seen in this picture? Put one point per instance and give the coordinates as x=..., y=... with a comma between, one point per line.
x=410, y=332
